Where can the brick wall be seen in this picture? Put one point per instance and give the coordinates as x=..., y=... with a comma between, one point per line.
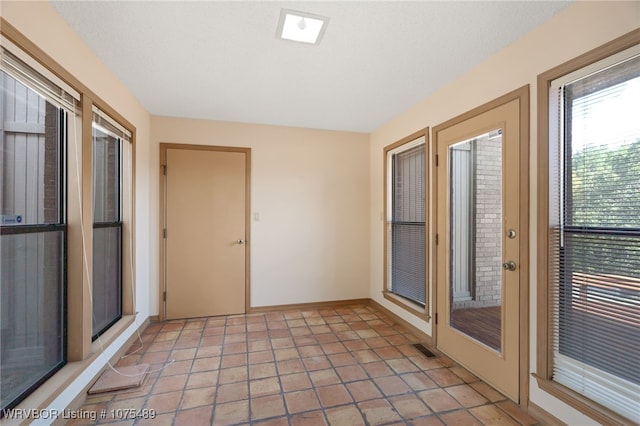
x=486, y=250
x=488, y=218
x=51, y=165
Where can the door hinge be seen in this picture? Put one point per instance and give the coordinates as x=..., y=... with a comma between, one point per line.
x=164, y=296
x=164, y=169
x=436, y=318
x=437, y=239
x=164, y=233
x=437, y=160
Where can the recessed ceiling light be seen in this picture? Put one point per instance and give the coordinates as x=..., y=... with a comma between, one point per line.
x=301, y=26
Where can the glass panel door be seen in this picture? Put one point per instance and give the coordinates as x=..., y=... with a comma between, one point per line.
x=481, y=238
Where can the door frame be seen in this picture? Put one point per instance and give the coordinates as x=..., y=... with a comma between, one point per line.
x=522, y=95
x=162, y=285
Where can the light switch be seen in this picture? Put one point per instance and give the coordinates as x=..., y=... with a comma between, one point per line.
x=256, y=217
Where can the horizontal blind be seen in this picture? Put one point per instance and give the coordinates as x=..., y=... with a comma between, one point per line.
x=108, y=137
x=110, y=126
x=408, y=234
x=595, y=236
x=36, y=77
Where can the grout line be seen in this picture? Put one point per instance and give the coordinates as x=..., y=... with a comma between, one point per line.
x=335, y=336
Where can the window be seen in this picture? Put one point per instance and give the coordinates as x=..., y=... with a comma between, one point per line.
x=593, y=243
x=405, y=213
x=33, y=231
x=46, y=152
x=107, y=222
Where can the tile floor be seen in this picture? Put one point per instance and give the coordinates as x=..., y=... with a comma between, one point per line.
x=336, y=366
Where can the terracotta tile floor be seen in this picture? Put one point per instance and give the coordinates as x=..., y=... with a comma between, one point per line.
x=342, y=366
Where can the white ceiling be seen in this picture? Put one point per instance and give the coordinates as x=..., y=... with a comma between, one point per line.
x=221, y=60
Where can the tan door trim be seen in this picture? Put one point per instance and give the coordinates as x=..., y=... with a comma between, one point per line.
x=161, y=226
x=521, y=94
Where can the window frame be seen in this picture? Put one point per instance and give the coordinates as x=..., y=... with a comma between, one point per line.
x=404, y=303
x=544, y=367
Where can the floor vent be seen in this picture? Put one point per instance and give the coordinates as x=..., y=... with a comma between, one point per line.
x=426, y=352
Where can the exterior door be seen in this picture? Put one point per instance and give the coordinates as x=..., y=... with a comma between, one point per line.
x=205, y=237
x=480, y=228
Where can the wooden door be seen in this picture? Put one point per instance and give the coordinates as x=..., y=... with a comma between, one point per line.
x=480, y=226
x=205, y=239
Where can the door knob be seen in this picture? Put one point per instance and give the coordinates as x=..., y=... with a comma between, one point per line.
x=509, y=266
x=240, y=242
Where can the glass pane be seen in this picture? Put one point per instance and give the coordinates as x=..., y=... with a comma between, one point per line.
x=599, y=262
x=30, y=158
x=602, y=188
x=599, y=302
x=31, y=310
x=106, y=177
x=408, y=240
x=107, y=241
x=107, y=276
x=408, y=260
x=476, y=237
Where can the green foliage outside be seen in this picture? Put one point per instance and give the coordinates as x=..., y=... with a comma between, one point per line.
x=605, y=194
x=606, y=187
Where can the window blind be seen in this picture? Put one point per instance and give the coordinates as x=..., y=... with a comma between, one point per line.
x=407, y=227
x=108, y=137
x=109, y=126
x=32, y=74
x=595, y=235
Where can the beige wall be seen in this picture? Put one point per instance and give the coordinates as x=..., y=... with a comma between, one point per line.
x=308, y=187
x=578, y=29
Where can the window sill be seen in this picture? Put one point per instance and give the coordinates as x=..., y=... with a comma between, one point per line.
x=586, y=406
x=413, y=308
x=42, y=397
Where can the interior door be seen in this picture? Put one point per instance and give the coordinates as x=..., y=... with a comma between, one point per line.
x=205, y=247
x=478, y=255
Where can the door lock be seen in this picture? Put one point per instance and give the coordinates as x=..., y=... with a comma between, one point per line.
x=509, y=266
